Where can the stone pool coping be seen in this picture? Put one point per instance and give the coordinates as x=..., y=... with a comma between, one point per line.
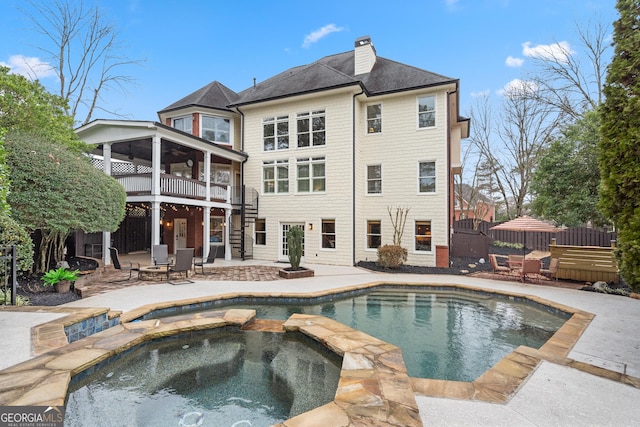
x=378, y=387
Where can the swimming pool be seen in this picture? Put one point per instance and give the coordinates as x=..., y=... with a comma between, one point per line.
x=444, y=334
x=222, y=377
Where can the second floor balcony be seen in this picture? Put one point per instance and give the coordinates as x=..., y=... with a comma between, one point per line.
x=175, y=186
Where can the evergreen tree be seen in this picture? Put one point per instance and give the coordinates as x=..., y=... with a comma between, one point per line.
x=566, y=180
x=620, y=143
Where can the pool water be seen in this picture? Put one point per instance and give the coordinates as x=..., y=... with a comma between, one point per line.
x=443, y=335
x=222, y=378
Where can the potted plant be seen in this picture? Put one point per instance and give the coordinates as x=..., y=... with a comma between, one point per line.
x=294, y=244
x=60, y=278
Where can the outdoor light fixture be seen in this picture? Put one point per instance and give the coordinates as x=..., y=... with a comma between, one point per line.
x=310, y=226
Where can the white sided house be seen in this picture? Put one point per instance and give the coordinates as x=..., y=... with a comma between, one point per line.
x=331, y=146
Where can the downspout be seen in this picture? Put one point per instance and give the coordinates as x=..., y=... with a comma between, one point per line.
x=242, y=191
x=353, y=177
x=450, y=178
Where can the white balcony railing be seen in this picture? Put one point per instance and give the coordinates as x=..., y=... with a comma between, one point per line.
x=171, y=185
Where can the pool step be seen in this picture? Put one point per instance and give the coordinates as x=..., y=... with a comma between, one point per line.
x=264, y=325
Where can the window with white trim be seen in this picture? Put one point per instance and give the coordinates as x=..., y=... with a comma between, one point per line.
x=374, y=118
x=311, y=174
x=329, y=233
x=374, y=179
x=423, y=236
x=427, y=177
x=275, y=133
x=311, y=129
x=374, y=234
x=275, y=176
x=216, y=129
x=261, y=232
x=426, y=111
x=183, y=123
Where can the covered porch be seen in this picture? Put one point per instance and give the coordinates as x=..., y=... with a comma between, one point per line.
x=181, y=190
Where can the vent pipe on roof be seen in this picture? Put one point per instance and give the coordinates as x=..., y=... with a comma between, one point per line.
x=365, y=55
x=254, y=82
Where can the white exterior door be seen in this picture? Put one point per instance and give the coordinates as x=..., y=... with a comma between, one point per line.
x=180, y=233
x=284, y=246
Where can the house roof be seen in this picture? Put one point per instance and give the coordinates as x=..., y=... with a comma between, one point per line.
x=330, y=72
x=214, y=95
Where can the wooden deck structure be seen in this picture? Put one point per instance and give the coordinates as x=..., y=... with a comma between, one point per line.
x=586, y=263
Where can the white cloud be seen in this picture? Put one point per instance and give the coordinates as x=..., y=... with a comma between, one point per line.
x=451, y=4
x=480, y=94
x=517, y=86
x=29, y=66
x=514, y=62
x=556, y=51
x=321, y=33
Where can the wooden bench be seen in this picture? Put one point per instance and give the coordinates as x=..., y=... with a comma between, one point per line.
x=586, y=263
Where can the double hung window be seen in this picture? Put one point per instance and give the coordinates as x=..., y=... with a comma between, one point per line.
x=423, y=236
x=311, y=174
x=275, y=176
x=374, y=234
x=275, y=133
x=311, y=129
x=328, y=233
x=374, y=179
x=426, y=111
x=427, y=177
x=216, y=129
x=374, y=118
x=183, y=123
x=261, y=232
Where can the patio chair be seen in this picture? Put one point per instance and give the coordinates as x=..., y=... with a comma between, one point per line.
x=496, y=267
x=213, y=252
x=183, y=264
x=118, y=265
x=552, y=270
x=530, y=267
x=515, y=261
x=160, y=255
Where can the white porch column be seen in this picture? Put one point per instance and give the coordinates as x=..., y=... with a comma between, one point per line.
x=227, y=226
x=156, y=152
x=155, y=221
x=106, y=156
x=207, y=175
x=206, y=230
x=106, y=236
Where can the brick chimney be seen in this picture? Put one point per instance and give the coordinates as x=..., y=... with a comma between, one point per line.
x=365, y=55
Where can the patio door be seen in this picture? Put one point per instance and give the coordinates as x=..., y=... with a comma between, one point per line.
x=180, y=233
x=284, y=246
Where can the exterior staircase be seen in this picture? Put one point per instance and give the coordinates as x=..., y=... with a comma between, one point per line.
x=245, y=201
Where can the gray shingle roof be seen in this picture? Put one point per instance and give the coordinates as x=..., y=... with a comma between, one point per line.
x=330, y=72
x=214, y=95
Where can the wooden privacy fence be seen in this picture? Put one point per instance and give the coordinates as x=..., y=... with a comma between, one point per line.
x=586, y=263
x=574, y=236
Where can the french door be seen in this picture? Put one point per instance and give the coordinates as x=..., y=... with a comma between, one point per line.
x=284, y=246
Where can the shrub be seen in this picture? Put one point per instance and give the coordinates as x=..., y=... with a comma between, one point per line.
x=54, y=276
x=294, y=243
x=391, y=256
x=5, y=299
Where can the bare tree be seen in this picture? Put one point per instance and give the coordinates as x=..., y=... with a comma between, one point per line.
x=568, y=84
x=511, y=149
x=85, y=51
x=398, y=221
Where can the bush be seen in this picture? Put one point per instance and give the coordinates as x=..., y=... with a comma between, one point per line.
x=12, y=233
x=294, y=243
x=391, y=256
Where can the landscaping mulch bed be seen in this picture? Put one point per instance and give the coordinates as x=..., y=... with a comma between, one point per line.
x=459, y=266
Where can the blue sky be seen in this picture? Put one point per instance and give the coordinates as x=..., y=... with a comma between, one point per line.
x=485, y=43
